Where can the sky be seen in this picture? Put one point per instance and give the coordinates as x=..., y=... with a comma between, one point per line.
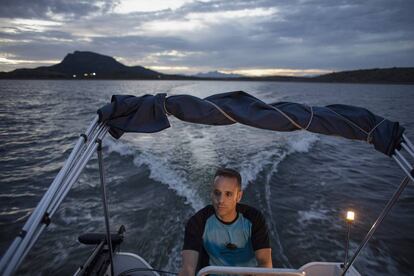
x=263, y=37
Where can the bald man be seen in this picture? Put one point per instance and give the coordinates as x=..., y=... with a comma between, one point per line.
x=226, y=233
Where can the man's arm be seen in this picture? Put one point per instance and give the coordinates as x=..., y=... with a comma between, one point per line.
x=189, y=264
x=264, y=257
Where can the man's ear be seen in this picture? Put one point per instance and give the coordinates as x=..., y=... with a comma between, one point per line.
x=239, y=196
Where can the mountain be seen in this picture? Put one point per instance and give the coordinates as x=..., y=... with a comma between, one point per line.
x=83, y=65
x=385, y=75
x=217, y=75
x=80, y=63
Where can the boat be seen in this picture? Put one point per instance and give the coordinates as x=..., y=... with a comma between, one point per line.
x=149, y=113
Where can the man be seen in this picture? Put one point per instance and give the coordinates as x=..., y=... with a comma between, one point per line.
x=226, y=233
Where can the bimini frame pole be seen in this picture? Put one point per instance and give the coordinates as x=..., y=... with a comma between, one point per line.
x=105, y=204
x=409, y=171
x=381, y=217
x=70, y=179
x=49, y=203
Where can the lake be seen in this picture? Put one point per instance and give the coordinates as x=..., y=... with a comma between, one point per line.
x=302, y=182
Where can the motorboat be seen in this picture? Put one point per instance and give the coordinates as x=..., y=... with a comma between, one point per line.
x=149, y=114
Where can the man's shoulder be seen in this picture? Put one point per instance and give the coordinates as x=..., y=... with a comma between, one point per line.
x=244, y=208
x=202, y=215
x=260, y=230
x=249, y=212
x=206, y=211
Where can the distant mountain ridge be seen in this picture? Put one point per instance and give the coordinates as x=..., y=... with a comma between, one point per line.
x=396, y=75
x=90, y=65
x=217, y=74
x=384, y=75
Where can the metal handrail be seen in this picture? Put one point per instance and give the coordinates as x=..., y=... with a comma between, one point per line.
x=236, y=270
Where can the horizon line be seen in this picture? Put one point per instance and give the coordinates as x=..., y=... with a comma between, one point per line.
x=190, y=71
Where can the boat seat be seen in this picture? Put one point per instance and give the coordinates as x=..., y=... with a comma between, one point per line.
x=97, y=238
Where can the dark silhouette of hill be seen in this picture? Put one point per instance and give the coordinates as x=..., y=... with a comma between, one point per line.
x=90, y=65
x=386, y=75
x=80, y=63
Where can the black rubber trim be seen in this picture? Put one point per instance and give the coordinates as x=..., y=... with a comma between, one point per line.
x=22, y=234
x=46, y=219
x=99, y=141
x=85, y=138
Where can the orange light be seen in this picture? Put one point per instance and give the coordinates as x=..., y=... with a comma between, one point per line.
x=350, y=216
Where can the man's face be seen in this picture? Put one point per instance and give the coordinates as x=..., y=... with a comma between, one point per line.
x=225, y=195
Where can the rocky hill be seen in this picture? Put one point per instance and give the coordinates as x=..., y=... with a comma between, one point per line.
x=86, y=65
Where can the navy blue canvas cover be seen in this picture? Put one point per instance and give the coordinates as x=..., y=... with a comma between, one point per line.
x=149, y=113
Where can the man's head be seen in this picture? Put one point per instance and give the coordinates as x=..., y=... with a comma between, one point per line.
x=226, y=193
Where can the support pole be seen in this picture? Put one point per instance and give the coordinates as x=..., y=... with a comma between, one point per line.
x=347, y=242
x=105, y=204
x=380, y=218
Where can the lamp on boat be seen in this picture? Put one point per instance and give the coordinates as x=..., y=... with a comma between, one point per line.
x=350, y=217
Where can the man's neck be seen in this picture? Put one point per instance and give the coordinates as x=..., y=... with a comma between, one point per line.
x=229, y=218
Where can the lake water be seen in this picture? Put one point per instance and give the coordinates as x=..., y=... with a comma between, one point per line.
x=302, y=182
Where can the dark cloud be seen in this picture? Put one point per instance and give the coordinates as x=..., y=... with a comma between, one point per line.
x=298, y=34
x=328, y=34
x=41, y=9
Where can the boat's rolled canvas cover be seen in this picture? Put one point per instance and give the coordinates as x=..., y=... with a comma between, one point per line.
x=148, y=114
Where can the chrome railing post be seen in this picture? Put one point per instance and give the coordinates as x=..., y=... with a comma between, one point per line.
x=105, y=204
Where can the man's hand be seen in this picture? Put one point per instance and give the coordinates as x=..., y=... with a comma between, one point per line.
x=190, y=259
x=264, y=257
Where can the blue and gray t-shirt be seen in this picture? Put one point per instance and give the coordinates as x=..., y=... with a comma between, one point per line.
x=226, y=244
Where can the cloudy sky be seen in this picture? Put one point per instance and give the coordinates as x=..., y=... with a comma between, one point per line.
x=289, y=37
